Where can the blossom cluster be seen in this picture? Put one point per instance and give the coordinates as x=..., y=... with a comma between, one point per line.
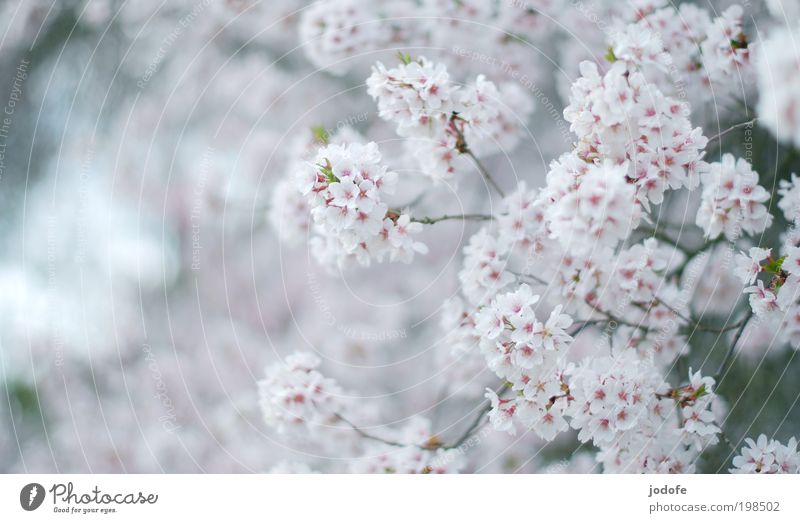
x=345, y=187
x=684, y=45
x=295, y=396
x=624, y=406
x=529, y=355
x=622, y=118
x=767, y=456
x=732, y=201
x=443, y=121
x=334, y=31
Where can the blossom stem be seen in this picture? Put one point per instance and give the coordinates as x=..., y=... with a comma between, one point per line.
x=485, y=173
x=476, y=423
x=724, y=437
x=367, y=435
x=529, y=276
x=731, y=129
x=723, y=368
x=463, y=148
x=608, y=319
x=693, y=323
x=430, y=221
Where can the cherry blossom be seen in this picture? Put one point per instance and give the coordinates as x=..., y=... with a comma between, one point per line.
x=732, y=200
x=767, y=456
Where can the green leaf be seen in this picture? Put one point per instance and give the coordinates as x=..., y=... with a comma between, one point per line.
x=774, y=266
x=405, y=58
x=327, y=170
x=320, y=134
x=610, y=56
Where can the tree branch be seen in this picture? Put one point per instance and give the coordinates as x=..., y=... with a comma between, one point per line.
x=731, y=129
x=430, y=221
x=367, y=435
x=732, y=350
x=476, y=423
x=463, y=148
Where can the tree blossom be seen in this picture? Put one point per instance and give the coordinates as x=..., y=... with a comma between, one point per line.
x=622, y=118
x=748, y=266
x=443, y=121
x=334, y=31
x=762, y=300
x=732, y=200
x=416, y=95
x=344, y=188
x=767, y=456
x=726, y=51
x=601, y=211
x=295, y=395
x=528, y=354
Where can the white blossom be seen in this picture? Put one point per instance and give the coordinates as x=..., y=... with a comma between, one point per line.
x=345, y=187
x=732, y=201
x=748, y=266
x=767, y=456
x=295, y=395
x=600, y=211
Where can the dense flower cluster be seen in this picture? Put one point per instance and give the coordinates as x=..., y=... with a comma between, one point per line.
x=683, y=46
x=443, y=121
x=599, y=211
x=294, y=395
x=726, y=50
x=344, y=187
x=622, y=118
x=624, y=406
x=416, y=95
x=529, y=355
x=732, y=200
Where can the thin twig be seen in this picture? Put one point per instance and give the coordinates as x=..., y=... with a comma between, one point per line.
x=732, y=350
x=463, y=148
x=693, y=323
x=529, y=276
x=433, y=445
x=476, y=423
x=484, y=172
x=430, y=221
x=731, y=129
x=724, y=437
x=367, y=435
